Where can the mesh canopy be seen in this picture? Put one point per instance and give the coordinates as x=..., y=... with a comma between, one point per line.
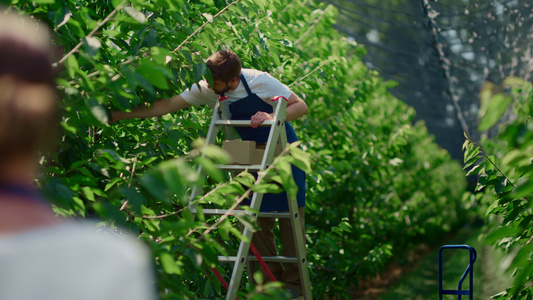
x=441, y=52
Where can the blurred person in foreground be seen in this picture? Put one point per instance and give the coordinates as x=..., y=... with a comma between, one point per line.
x=42, y=257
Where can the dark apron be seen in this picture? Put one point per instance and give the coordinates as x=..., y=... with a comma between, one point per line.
x=244, y=109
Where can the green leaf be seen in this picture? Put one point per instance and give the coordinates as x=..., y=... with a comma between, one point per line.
x=286, y=42
x=224, y=229
x=261, y=3
x=517, y=158
x=523, y=256
x=471, y=154
x=247, y=220
x=172, y=177
x=245, y=178
x=135, y=199
x=210, y=168
x=93, y=42
x=187, y=215
x=208, y=17
x=500, y=185
x=72, y=66
x=475, y=170
x=524, y=189
x=514, y=81
x=169, y=264
x=522, y=278
x=153, y=74
x=267, y=188
x=161, y=55
x=199, y=71
x=486, y=93
x=112, y=183
x=134, y=13
x=117, y=3
x=143, y=82
x=68, y=127
x=98, y=111
x=195, y=257
x=155, y=187
x=87, y=191
x=216, y=154
x=502, y=232
x=209, y=77
x=495, y=109
x=303, y=160
x=209, y=41
x=285, y=171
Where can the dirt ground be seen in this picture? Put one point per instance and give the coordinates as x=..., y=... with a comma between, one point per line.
x=371, y=289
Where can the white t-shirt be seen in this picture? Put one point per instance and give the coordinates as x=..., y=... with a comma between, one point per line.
x=261, y=83
x=72, y=261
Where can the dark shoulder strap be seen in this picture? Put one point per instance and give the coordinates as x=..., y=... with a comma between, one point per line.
x=246, y=85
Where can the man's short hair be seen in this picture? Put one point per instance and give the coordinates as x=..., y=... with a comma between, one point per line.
x=224, y=65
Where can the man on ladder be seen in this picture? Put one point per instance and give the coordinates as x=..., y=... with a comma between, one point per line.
x=249, y=93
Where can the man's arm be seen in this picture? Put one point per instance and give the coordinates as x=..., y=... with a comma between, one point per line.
x=296, y=108
x=157, y=109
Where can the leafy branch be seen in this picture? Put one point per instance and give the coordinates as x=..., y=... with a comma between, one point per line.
x=487, y=158
x=313, y=25
x=95, y=29
x=205, y=24
x=309, y=74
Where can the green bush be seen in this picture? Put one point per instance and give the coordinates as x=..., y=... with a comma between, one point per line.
x=379, y=184
x=503, y=167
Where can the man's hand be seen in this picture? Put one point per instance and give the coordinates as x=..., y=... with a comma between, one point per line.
x=260, y=117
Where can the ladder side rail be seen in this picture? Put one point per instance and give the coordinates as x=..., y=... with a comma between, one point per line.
x=242, y=253
x=225, y=114
x=296, y=224
x=298, y=235
x=278, y=123
x=210, y=139
x=257, y=198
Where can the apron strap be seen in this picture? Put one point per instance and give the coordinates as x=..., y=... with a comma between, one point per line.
x=246, y=85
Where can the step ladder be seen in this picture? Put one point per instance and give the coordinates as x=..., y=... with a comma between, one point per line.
x=469, y=270
x=277, y=134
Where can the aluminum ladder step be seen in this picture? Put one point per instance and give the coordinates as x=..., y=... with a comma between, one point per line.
x=251, y=168
x=281, y=259
x=220, y=212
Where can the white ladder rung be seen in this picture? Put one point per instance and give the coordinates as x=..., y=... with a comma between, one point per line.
x=281, y=259
x=251, y=168
x=240, y=211
x=241, y=123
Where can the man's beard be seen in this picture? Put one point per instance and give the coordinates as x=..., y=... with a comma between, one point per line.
x=226, y=88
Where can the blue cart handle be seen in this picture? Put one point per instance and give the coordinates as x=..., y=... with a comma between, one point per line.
x=469, y=269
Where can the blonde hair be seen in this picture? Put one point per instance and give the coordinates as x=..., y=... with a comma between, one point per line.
x=28, y=106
